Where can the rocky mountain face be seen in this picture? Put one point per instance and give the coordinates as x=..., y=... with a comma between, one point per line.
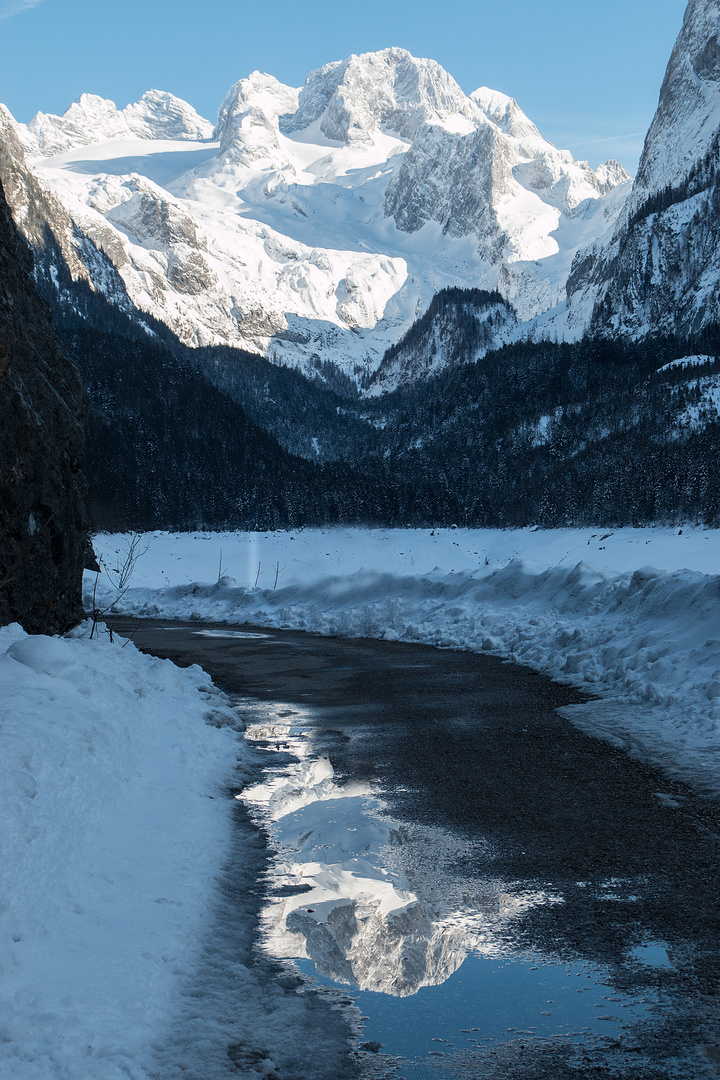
x=44, y=543
x=384, y=91
x=314, y=225
x=67, y=261
x=659, y=270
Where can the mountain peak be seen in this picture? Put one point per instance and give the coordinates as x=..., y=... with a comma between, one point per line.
x=389, y=90
x=160, y=115
x=611, y=174
x=260, y=98
x=505, y=113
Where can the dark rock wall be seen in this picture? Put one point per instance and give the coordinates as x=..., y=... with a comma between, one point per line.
x=44, y=542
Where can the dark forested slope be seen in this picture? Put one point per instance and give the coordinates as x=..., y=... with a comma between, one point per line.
x=591, y=432
x=168, y=450
x=588, y=433
x=44, y=541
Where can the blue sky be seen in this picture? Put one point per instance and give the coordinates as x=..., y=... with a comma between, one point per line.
x=587, y=73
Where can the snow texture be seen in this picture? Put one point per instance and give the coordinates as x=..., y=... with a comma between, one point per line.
x=632, y=616
x=320, y=222
x=113, y=831
x=125, y=955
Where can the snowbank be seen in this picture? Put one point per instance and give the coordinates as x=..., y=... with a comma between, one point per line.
x=307, y=556
x=112, y=772
x=580, y=605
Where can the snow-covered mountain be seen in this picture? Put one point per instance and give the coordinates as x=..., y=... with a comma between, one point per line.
x=92, y=119
x=659, y=270
x=317, y=224
x=66, y=258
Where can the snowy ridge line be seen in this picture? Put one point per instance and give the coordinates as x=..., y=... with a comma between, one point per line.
x=322, y=221
x=646, y=642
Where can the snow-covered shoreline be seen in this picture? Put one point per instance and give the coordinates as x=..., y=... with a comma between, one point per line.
x=632, y=616
x=113, y=767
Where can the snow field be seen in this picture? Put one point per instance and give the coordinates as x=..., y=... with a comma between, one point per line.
x=115, y=827
x=585, y=606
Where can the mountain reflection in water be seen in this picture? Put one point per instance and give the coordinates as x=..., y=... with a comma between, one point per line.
x=373, y=903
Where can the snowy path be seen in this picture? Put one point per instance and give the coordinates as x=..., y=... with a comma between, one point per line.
x=128, y=878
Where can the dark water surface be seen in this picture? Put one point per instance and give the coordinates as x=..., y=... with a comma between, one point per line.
x=565, y=915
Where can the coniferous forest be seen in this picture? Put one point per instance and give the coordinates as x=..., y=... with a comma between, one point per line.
x=534, y=433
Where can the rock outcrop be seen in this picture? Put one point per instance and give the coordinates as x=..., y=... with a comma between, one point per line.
x=658, y=271
x=68, y=262
x=44, y=542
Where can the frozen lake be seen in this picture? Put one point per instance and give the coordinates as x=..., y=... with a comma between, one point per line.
x=484, y=889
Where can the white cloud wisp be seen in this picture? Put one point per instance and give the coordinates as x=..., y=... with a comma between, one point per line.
x=15, y=7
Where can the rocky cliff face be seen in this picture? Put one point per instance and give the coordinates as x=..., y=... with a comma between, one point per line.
x=659, y=270
x=384, y=91
x=685, y=126
x=44, y=541
x=68, y=261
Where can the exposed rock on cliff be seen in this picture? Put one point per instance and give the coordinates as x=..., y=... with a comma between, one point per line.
x=658, y=272
x=69, y=264
x=44, y=542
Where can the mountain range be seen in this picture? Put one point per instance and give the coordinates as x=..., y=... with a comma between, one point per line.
x=388, y=277
x=321, y=222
